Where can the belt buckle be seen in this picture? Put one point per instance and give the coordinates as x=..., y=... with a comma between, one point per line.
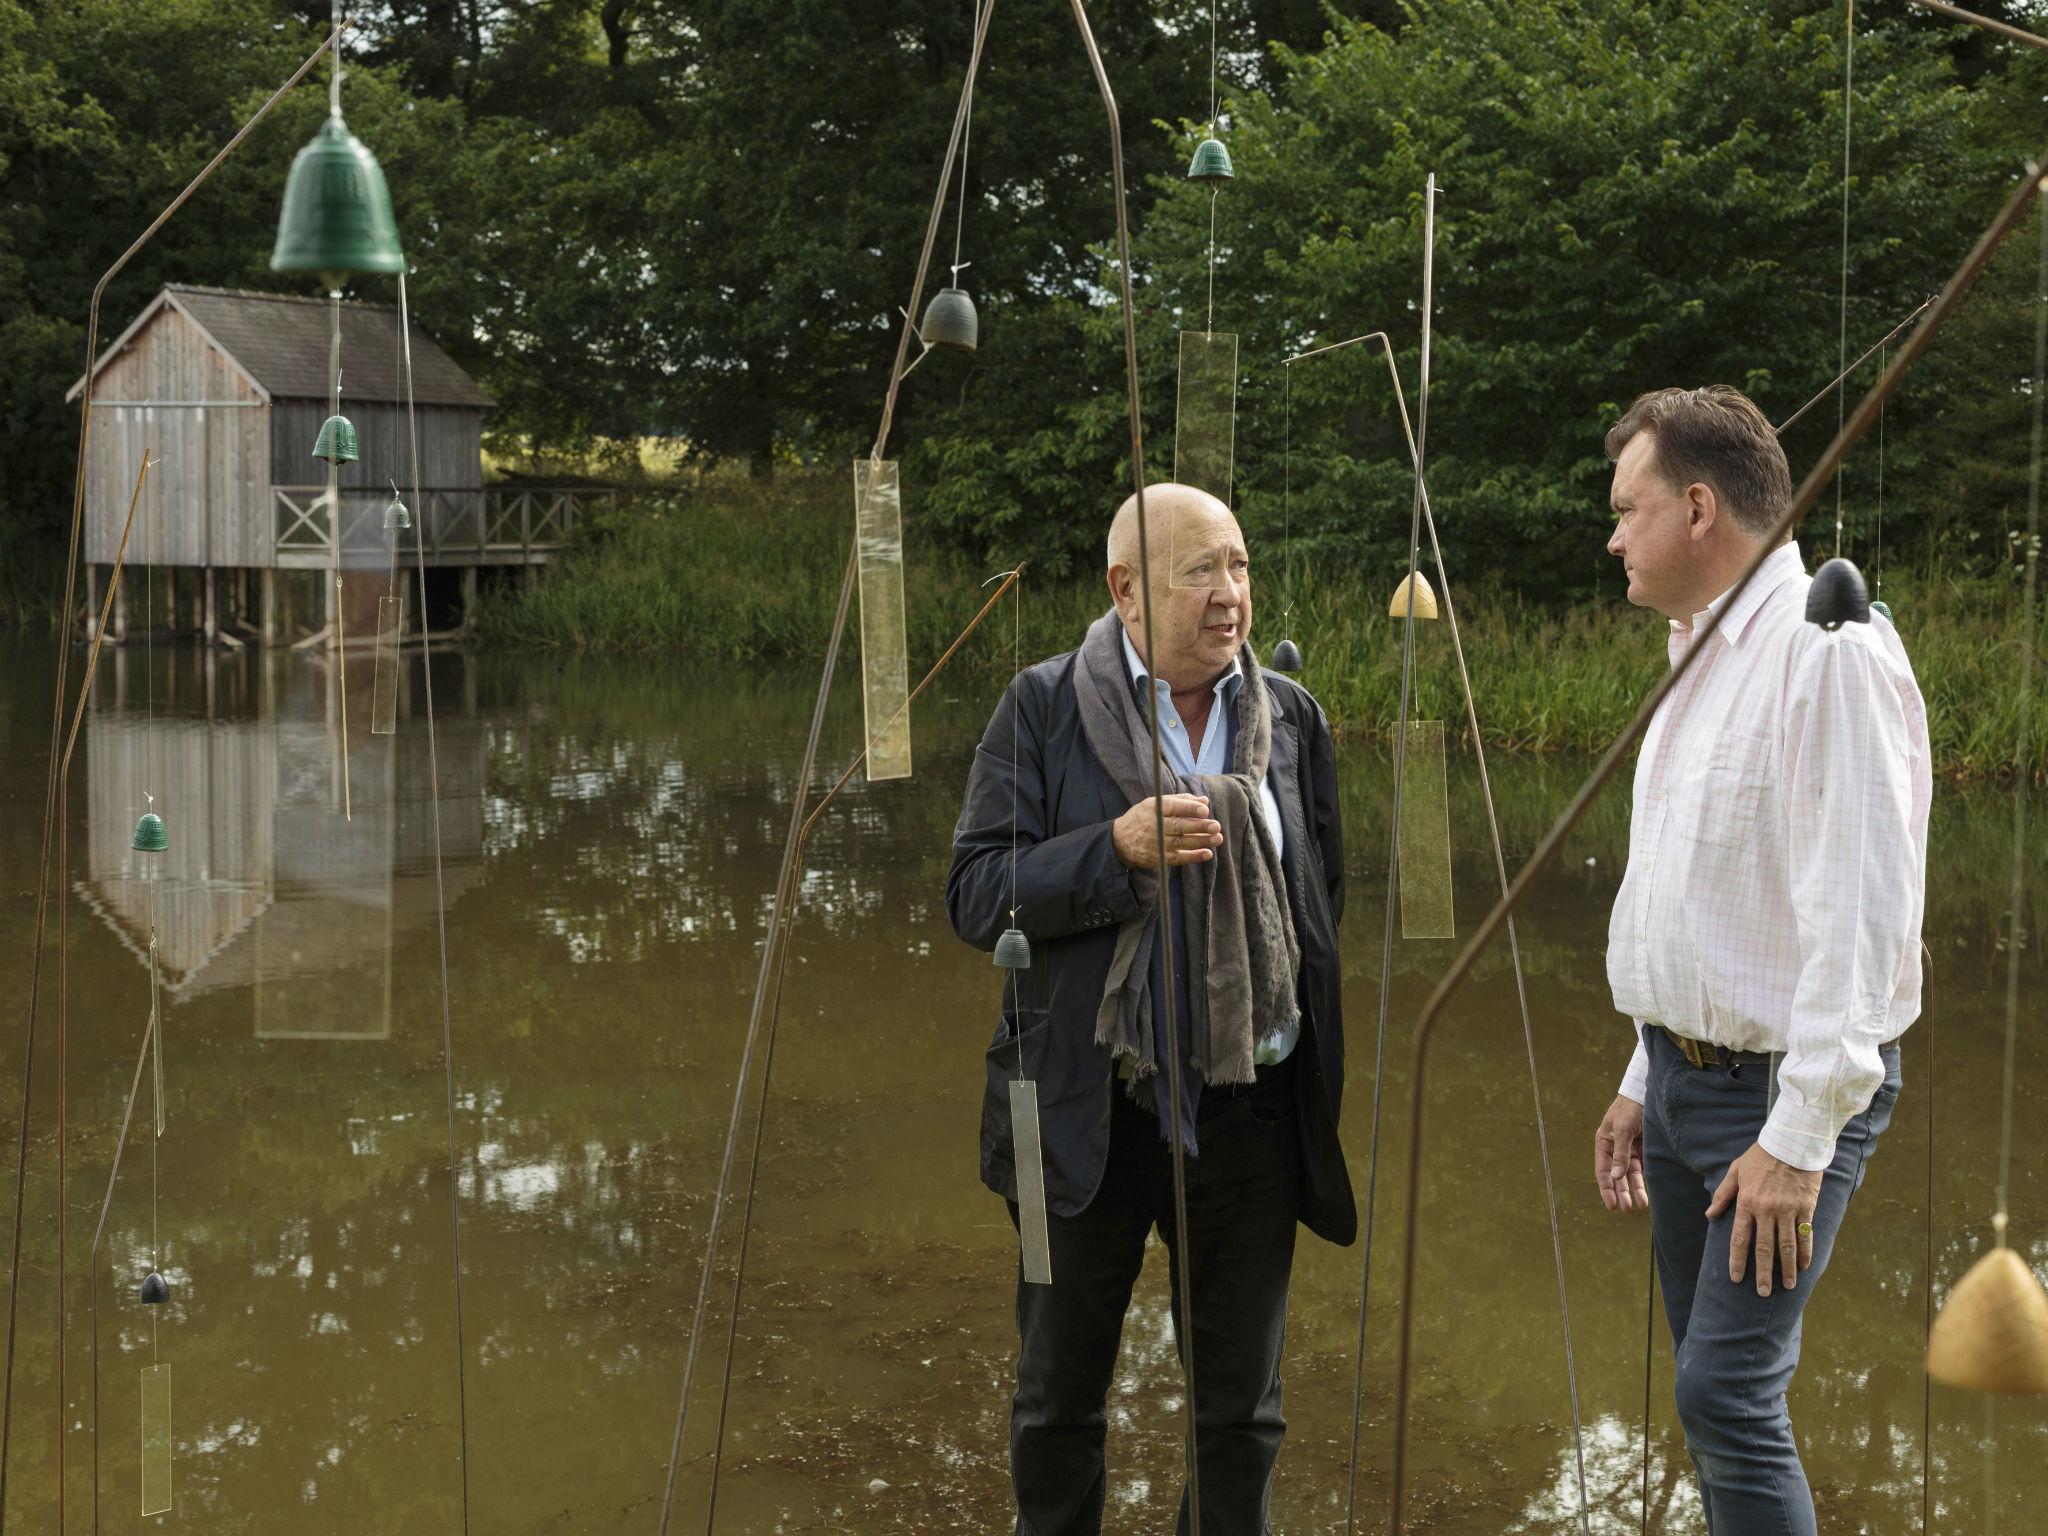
x=1690, y=1050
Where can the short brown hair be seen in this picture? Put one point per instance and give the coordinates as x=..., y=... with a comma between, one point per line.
x=1714, y=435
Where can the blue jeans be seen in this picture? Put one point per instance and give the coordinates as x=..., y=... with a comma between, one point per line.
x=1736, y=1351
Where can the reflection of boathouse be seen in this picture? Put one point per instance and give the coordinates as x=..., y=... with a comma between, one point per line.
x=227, y=391
x=265, y=885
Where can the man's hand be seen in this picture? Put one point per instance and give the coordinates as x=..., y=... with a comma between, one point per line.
x=1772, y=1201
x=1618, y=1157
x=1190, y=834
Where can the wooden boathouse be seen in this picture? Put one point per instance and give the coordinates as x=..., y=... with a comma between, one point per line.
x=226, y=391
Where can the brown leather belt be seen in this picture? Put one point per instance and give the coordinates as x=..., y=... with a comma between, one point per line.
x=1701, y=1053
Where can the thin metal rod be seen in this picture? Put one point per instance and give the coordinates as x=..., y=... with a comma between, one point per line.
x=1927, y=1023
x=1186, y=1333
x=440, y=905
x=2003, y=29
x=739, y=1274
x=1839, y=379
x=777, y=910
x=1842, y=343
x=92, y=332
x=1514, y=947
x=334, y=522
x=93, y=1260
x=2022, y=776
x=1379, y=1072
x=1860, y=421
x=1649, y=1358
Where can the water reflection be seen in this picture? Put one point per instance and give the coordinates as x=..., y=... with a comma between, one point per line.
x=609, y=834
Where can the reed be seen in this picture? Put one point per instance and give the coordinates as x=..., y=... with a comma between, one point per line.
x=739, y=571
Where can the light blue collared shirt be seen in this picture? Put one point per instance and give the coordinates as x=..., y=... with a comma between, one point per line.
x=1211, y=755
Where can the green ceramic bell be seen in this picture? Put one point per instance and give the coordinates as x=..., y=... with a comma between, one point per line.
x=1837, y=596
x=337, y=442
x=1287, y=657
x=1879, y=605
x=1211, y=162
x=155, y=1289
x=950, y=321
x=337, y=214
x=150, y=834
x=396, y=516
x=1013, y=950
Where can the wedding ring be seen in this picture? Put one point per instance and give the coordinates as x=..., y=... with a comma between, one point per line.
x=1806, y=1229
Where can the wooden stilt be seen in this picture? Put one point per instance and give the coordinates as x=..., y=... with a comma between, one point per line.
x=92, y=600
x=268, y=583
x=468, y=598
x=211, y=621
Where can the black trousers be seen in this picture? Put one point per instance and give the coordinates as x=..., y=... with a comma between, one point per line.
x=1243, y=1194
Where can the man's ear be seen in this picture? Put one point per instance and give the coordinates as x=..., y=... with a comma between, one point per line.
x=1702, y=509
x=1123, y=586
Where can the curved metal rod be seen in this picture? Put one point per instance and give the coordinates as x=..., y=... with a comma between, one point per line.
x=1959, y=284
x=778, y=910
x=1186, y=1336
x=92, y=334
x=1514, y=943
x=1379, y=1070
x=739, y=1273
x=2003, y=29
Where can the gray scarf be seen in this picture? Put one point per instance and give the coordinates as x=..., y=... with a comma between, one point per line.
x=1243, y=956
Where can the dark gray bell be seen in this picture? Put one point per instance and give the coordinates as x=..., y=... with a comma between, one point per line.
x=1837, y=596
x=1013, y=950
x=1286, y=657
x=950, y=321
x=155, y=1289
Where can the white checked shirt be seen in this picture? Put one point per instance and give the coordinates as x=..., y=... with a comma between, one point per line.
x=1777, y=861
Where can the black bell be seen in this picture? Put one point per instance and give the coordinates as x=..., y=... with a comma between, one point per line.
x=1286, y=657
x=1837, y=596
x=155, y=1289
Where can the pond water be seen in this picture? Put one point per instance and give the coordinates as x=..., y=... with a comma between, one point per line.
x=609, y=832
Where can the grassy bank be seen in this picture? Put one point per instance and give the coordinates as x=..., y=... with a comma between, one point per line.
x=746, y=572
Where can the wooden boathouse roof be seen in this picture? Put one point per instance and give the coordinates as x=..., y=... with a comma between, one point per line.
x=280, y=342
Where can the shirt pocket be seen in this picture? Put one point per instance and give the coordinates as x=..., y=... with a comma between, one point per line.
x=1720, y=794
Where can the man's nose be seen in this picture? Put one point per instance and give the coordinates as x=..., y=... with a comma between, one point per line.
x=1614, y=541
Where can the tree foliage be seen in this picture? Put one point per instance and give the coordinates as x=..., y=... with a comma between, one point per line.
x=698, y=218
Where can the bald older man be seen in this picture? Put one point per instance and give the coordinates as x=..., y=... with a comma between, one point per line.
x=1253, y=894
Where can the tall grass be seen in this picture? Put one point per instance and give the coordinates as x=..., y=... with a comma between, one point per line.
x=740, y=571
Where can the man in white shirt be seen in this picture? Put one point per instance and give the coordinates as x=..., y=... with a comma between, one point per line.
x=1766, y=938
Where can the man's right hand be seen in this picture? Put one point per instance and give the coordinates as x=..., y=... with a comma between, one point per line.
x=1191, y=836
x=1618, y=1157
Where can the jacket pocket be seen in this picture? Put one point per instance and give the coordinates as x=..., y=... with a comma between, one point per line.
x=1018, y=1049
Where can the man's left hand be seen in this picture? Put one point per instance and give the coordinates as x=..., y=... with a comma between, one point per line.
x=1772, y=1201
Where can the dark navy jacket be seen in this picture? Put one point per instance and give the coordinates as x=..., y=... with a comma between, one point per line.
x=1071, y=893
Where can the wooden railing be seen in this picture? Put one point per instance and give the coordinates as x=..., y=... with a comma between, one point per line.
x=491, y=525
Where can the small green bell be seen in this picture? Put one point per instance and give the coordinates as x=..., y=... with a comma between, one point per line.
x=1879, y=605
x=1013, y=950
x=337, y=442
x=1287, y=657
x=396, y=516
x=150, y=834
x=155, y=1289
x=1837, y=596
x=950, y=321
x=337, y=214
x=1211, y=162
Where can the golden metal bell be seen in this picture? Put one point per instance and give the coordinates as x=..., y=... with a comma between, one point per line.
x=1992, y=1333
x=1425, y=599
